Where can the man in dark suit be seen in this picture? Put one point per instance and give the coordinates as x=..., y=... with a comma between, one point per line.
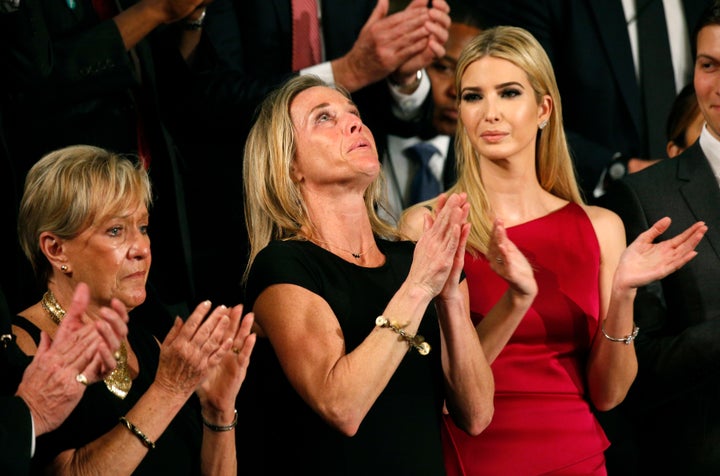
x=54, y=381
x=589, y=44
x=675, y=401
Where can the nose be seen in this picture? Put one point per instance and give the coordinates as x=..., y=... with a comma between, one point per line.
x=140, y=246
x=451, y=91
x=354, y=124
x=492, y=113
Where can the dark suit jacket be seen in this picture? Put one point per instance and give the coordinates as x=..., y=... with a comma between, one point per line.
x=67, y=80
x=15, y=436
x=675, y=398
x=589, y=46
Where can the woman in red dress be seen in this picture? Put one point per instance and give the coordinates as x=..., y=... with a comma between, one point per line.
x=573, y=349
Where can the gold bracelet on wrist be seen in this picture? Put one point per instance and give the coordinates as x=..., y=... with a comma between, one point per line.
x=220, y=427
x=626, y=340
x=139, y=434
x=416, y=342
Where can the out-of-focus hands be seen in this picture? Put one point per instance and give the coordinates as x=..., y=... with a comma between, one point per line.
x=49, y=385
x=219, y=390
x=645, y=261
x=510, y=264
x=169, y=11
x=401, y=43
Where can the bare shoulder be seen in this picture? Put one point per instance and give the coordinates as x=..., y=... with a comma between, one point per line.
x=412, y=221
x=608, y=225
x=24, y=341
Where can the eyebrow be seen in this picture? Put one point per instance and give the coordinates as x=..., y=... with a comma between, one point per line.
x=498, y=86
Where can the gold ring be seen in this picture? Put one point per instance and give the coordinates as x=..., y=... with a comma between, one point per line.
x=236, y=350
x=82, y=379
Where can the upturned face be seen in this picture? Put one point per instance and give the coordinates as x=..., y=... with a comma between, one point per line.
x=499, y=111
x=707, y=77
x=332, y=144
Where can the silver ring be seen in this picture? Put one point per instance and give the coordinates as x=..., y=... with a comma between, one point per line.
x=499, y=259
x=82, y=379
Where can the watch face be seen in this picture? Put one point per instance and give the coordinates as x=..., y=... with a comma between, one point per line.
x=617, y=170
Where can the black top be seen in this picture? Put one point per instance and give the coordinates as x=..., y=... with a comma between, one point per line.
x=401, y=432
x=177, y=451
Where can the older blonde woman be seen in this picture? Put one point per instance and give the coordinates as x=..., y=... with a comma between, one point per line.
x=84, y=217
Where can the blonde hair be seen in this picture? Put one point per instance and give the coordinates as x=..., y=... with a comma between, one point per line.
x=274, y=207
x=70, y=189
x=552, y=158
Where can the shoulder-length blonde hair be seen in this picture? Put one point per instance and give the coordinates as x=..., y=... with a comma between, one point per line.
x=274, y=207
x=553, y=163
x=70, y=189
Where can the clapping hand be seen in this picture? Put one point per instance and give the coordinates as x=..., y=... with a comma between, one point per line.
x=645, y=261
x=509, y=262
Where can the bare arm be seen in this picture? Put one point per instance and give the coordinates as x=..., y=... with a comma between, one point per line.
x=612, y=366
x=341, y=387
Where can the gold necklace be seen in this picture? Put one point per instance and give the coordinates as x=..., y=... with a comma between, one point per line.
x=119, y=381
x=354, y=255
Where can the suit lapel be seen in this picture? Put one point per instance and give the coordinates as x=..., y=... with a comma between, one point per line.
x=701, y=191
x=610, y=22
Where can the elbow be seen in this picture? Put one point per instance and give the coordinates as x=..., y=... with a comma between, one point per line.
x=345, y=420
x=607, y=400
x=478, y=423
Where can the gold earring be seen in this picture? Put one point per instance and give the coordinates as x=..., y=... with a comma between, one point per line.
x=64, y=268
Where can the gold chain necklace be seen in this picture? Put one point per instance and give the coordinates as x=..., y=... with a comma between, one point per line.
x=354, y=255
x=119, y=381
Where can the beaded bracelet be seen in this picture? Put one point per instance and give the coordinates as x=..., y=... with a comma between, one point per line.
x=417, y=341
x=220, y=427
x=139, y=434
x=627, y=339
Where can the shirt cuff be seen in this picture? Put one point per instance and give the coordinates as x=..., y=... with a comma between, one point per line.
x=408, y=106
x=323, y=70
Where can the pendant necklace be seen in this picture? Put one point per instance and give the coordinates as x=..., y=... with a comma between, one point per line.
x=118, y=382
x=354, y=255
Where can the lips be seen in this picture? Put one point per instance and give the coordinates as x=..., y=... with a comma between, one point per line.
x=359, y=145
x=493, y=136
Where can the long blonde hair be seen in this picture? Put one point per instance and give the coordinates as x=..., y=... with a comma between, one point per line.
x=274, y=207
x=552, y=158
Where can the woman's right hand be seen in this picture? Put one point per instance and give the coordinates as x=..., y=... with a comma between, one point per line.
x=509, y=263
x=436, y=249
x=192, y=348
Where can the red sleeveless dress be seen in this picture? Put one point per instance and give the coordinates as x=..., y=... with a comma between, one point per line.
x=542, y=421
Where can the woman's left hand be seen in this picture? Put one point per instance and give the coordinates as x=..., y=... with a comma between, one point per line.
x=218, y=391
x=644, y=261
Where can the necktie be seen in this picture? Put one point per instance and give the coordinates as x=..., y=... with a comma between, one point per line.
x=305, y=34
x=657, y=79
x=424, y=184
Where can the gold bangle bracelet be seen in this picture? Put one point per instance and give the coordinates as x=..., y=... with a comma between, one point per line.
x=416, y=342
x=139, y=434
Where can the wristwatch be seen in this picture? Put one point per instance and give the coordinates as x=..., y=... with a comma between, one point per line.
x=196, y=24
x=410, y=87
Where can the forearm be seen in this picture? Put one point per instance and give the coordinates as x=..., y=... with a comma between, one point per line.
x=498, y=326
x=469, y=381
x=354, y=382
x=151, y=415
x=135, y=23
x=612, y=366
x=218, y=454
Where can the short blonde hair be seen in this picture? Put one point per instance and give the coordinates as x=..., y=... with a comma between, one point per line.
x=71, y=188
x=274, y=207
x=552, y=158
